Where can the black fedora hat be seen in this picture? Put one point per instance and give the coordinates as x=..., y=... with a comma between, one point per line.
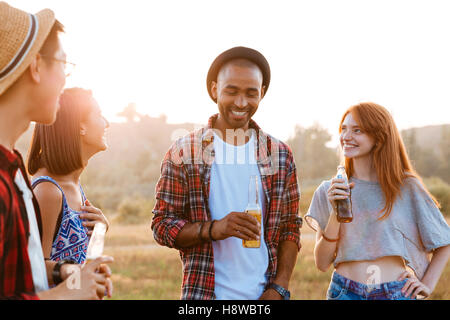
x=238, y=53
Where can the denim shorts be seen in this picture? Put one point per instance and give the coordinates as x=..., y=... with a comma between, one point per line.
x=342, y=288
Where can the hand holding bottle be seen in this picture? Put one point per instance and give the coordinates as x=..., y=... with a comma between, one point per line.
x=338, y=190
x=236, y=224
x=339, y=195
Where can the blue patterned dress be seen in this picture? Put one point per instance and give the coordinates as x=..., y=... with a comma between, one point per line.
x=71, y=240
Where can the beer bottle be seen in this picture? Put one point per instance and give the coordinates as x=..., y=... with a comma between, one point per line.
x=95, y=246
x=343, y=207
x=253, y=208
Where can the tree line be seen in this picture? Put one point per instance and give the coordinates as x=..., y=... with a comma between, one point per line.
x=123, y=178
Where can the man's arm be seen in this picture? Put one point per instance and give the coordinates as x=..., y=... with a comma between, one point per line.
x=171, y=199
x=65, y=271
x=190, y=235
x=235, y=224
x=287, y=258
x=289, y=243
x=291, y=222
x=170, y=225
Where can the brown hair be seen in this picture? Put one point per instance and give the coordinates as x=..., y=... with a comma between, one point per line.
x=389, y=154
x=51, y=45
x=57, y=147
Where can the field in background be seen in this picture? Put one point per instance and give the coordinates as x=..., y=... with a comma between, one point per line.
x=144, y=270
x=121, y=181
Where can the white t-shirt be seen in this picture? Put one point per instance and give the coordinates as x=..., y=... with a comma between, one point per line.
x=35, y=253
x=239, y=272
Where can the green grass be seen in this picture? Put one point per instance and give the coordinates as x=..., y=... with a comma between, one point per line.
x=142, y=270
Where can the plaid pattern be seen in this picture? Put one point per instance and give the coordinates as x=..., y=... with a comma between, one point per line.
x=182, y=194
x=16, y=280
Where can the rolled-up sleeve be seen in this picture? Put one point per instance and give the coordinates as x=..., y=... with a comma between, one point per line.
x=291, y=222
x=171, y=199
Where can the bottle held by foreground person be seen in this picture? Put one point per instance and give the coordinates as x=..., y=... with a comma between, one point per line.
x=96, y=244
x=254, y=209
x=343, y=207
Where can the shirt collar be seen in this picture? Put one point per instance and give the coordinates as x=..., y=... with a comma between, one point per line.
x=263, y=154
x=208, y=133
x=212, y=120
x=9, y=160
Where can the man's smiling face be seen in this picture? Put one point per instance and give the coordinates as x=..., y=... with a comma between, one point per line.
x=238, y=92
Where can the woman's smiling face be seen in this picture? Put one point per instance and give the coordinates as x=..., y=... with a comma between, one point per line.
x=354, y=142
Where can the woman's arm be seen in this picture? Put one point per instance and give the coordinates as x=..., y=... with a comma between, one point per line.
x=49, y=198
x=429, y=281
x=325, y=251
x=436, y=267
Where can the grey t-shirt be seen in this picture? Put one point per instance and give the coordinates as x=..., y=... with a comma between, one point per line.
x=413, y=229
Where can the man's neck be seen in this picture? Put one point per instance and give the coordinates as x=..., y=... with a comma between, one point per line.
x=13, y=123
x=234, y=136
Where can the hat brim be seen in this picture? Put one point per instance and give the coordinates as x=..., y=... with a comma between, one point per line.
x=46, y=20
x=238, y=53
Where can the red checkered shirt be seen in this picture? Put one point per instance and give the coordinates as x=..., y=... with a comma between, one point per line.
x=16, y=280
x=182, y=194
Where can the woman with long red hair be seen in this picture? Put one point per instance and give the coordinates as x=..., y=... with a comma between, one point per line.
x=383, y=253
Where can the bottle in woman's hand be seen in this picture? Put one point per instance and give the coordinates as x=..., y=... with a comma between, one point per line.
x=343, y=207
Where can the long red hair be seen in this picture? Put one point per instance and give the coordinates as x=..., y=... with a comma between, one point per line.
x=389, y=155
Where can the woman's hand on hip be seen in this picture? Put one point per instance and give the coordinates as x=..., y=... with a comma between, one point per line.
x=413, y=286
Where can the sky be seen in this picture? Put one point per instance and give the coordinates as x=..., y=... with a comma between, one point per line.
x=325, y=56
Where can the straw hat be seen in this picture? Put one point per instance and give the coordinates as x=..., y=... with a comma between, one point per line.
x=238, y=53
x=21, y=37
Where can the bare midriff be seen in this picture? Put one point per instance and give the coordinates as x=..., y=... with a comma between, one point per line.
x=385, y=269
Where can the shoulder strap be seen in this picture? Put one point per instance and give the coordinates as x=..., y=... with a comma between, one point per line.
x=41, y=179
x=49, y=179
x=83, y=195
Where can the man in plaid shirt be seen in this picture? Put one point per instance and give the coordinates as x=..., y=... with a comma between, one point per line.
x=200, y=201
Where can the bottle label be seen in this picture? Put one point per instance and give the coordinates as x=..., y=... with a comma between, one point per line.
x=256, y=213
